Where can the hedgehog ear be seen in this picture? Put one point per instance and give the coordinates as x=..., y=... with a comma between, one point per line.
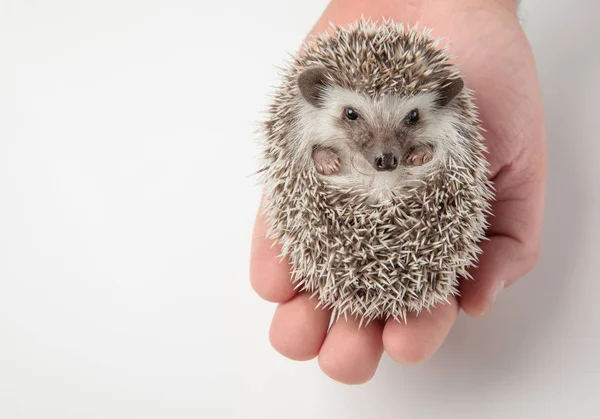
x=449, y=92
x=311, y=83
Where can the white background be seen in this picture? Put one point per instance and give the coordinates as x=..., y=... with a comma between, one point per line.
x=126, y=206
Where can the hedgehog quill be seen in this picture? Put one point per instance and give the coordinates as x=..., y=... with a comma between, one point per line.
x=374, y=171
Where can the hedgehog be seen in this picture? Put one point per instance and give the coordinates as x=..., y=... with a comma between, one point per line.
x=374, y=172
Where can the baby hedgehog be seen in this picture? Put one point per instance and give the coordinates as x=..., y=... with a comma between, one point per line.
x=374, y=172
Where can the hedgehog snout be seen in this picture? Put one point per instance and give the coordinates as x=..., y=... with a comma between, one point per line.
x=386, y=162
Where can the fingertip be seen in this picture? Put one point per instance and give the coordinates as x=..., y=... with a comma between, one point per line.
x=338, y=372
x=477, y=300
x=417, y=340
x=407, y=353
x=351, y=355
x=269, y=274
x=269, y=278
x=298, y=328
x=500, y=264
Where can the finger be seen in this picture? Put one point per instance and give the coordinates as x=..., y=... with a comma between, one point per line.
x=420, y=337
x=298, y=330
x=351, y=355
x=503, y=261
x=269, y=276
x=514, y=237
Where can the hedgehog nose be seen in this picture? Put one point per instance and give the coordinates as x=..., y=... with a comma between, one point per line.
x=386, y=161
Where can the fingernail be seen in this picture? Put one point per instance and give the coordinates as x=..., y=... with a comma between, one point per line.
x=494, y=294
x=501, y=285
x=496, y=291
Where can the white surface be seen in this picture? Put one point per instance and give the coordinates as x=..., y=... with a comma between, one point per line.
x=126, y=141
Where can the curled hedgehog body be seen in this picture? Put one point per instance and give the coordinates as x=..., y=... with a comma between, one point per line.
x=390, y=218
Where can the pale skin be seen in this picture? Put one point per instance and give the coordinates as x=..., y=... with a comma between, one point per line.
x=327, y=162
x=495, y=59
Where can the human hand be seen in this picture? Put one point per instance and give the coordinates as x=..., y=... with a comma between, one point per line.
x=495, y=59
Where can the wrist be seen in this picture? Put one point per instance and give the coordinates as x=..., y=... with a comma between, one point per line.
x=510, y=5
x=407, y=10
x=443, y=15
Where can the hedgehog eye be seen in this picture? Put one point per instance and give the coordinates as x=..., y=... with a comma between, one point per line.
x=351, y=114
x=413, y=117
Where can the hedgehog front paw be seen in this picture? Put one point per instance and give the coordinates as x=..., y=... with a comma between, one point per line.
x=419, y=156
x=327, y=162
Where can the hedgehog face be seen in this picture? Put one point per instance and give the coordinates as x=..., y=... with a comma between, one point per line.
x=382, y=131
x=377, y=134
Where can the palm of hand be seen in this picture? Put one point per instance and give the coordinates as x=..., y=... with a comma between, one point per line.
x=495, y=59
